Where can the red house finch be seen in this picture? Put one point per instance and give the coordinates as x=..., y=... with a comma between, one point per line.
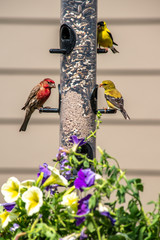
x=36, y=99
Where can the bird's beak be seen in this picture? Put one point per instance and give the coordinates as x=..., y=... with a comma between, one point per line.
x=52, y=85
x=100, y=85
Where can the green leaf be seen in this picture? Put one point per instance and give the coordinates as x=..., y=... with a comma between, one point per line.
x=86, y=164
x=141, y=233
x=95, y=162
x=121, y=194
x=156, y=220
x=100, y=171
x=120, y=236
x=75, y=161
x=139, y=184
x=92, y=202
x=133, y=208
x=90, y=227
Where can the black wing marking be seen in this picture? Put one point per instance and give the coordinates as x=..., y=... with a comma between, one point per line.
x=110, y=35
x=117, y=102
x=115, y=43
x=112, y=38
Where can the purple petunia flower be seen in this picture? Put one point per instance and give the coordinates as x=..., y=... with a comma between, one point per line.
x=62, y=158
x=63, y=165
x=77, y=142
x=104, y=211
x=83, y=235
x=85, y=178
x=14, y=227
x=8, y=206
x=107, y=214
x=61, y=154
x=83, y=209
x=46, y=172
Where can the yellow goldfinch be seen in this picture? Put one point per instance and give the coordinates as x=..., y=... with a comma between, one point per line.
x=104, y=37
x=113, y=97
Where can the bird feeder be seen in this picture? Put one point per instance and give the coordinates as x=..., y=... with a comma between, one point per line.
x=78, y=89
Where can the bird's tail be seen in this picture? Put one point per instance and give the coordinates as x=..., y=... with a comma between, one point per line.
x=125, y=115
x=114, y=50
x=25, y=122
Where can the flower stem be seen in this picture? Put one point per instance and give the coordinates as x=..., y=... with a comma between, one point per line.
x=34, y=223
x=97, y=127
x=96, y=227
x=19, y=235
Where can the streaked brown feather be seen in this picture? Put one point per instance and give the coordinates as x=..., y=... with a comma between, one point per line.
x=31, y=95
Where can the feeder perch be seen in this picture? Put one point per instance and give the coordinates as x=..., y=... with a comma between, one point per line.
x=53, y=110
x=102, y=50
x=67, y=40
x=93, y=101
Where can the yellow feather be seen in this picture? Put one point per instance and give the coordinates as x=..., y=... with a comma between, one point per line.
x=104, y=39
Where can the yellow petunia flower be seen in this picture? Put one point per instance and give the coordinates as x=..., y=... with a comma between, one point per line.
x=33, y=198
x=11, y=190
x=71, y=201
x=6, y=217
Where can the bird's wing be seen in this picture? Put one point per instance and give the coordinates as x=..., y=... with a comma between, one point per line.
x=118, y=102
x=112, y=38
x=110, y=35
x=31, y=95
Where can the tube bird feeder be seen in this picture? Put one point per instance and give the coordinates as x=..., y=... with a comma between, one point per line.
x=78, y=70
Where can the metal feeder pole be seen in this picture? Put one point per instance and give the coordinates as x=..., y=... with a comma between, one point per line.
x=78, y=71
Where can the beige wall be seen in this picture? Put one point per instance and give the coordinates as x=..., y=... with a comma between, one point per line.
x=28, y=29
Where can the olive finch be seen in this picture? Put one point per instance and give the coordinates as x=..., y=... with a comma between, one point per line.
x=113, y=97
x=36, y=99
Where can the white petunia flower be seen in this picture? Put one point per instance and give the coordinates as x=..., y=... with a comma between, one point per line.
x=98, y=176
x=27, y=183
x=72, y=236
x=6, y=217
x=71, y=201
x=11, y=190
x=102, y=208
x=55, y=178
x=33, y=198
